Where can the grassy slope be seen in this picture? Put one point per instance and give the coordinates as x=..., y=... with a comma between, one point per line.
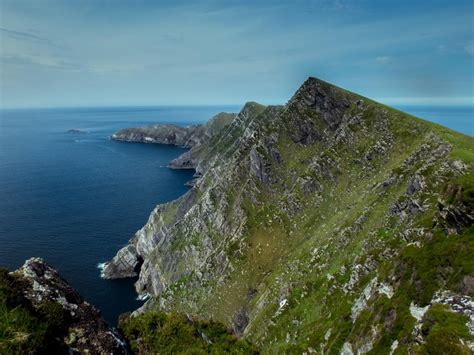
x=316, y=302
x=175, y=333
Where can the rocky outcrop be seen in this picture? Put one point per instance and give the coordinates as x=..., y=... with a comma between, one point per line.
x=82, y=328
x=126, y=263
x=187, y=160
x=77, y=131
x=455, y=213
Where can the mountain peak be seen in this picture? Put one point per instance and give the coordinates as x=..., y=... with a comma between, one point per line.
x=251, y=108
x=322, y=96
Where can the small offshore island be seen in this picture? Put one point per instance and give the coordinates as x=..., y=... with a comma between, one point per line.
x=332, y=224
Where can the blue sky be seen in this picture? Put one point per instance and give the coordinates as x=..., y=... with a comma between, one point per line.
x=112, y=52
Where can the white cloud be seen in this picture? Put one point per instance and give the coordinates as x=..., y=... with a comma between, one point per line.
x=43, y=60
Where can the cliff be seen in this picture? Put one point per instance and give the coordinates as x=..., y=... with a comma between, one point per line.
x=42, y=313
x=187, y=137
x=332, y=224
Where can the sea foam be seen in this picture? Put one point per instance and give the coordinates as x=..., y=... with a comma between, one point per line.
x=101, y=267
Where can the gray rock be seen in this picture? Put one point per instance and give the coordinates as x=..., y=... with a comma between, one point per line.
x=405, y=208
x=77, y=131
x=126, y=263
x=467, y=284
x=415, y=184
x=325, y=101
x=85, y=329
x=240, y=321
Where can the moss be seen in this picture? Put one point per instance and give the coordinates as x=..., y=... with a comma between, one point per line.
x=442, y=262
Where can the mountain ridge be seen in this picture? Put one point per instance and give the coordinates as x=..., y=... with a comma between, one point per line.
x=331, y=190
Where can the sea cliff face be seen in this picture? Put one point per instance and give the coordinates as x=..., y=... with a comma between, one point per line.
x=331, y=224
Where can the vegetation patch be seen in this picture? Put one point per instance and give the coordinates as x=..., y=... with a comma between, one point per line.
x=175, y=333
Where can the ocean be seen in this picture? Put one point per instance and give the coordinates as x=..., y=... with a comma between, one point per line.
x=75, y=198
x=458, y=118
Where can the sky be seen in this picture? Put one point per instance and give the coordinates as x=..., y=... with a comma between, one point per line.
x=112, y=52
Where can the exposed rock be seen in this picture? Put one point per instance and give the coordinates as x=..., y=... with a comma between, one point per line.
x=462, y=304
x=393, y=347
x=126, y=263
x=326, y=100
x=415, y=184
x=385, y=289
x=85, y=331
x=192, y=183
x=257, y=166
x=389, y=181
x=361, y=303
x=184, y=161
x=405, y=208
x=467, y=285
x=347, y=349
x=77, y=131
x=418, y=312
x=455, y=216
x=240, y=321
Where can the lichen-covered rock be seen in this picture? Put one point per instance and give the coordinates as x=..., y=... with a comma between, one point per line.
x=83, y=329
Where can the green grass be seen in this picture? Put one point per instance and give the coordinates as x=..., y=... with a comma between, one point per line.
x=24, y=330
x=444, y=331
x=174, y=333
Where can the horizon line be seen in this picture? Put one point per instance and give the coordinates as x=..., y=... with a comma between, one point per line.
x=390, y=101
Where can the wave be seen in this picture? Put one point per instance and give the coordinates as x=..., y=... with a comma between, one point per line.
x=143, y=296
x=101, y=267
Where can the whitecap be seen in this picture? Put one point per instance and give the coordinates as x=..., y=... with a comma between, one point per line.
x=143, y=296
x=101, y=267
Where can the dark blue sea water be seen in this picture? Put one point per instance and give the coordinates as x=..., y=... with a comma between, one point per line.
x=75, y=199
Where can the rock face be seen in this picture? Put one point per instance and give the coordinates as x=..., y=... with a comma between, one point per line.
x=310, y=223
x=126, y=263
x=83, y=328
x=156, y=231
